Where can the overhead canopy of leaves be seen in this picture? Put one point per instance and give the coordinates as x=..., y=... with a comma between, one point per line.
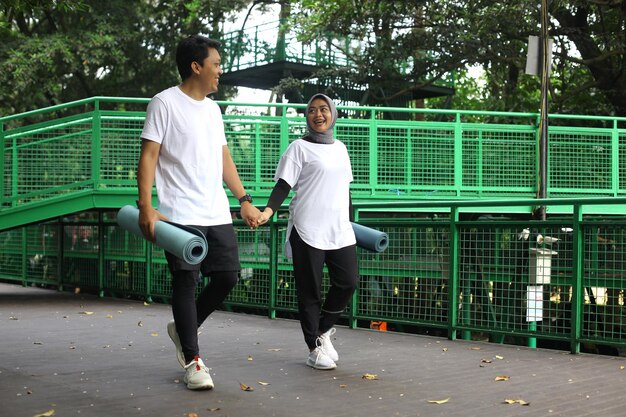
x=57, y=51
x=434, y=38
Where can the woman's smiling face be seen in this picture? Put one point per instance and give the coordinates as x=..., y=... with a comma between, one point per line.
x=319, y=116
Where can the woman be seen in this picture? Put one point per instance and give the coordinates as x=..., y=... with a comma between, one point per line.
x=317, y=167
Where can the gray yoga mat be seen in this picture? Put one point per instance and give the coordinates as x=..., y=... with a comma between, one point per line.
x=183, y=241
x=370, y=239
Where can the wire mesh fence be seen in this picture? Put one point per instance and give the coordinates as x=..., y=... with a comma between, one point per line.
x=508, y=277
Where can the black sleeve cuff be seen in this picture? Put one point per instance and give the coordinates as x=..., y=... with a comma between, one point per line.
x=278, y=195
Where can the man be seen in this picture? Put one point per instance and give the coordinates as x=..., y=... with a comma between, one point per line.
x=184, y=148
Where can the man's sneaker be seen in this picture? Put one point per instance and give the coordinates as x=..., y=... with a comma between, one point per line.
x=197, y=375
x=171, y=330
x=318, y=359
x=327, y=345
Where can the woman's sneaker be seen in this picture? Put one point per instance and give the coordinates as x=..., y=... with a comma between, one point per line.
x=327, y=345
x=318, y=359
x=197, y=375
x=171, y=331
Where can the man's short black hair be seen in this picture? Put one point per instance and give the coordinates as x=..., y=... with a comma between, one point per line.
x=193, y=48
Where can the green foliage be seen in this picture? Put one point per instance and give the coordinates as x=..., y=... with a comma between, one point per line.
x=53, y=52
x=400, y=46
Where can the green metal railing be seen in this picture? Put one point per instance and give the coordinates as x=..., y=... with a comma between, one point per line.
x=83, y=155
x=447, y=267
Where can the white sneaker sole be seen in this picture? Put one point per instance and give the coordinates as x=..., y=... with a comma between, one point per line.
x=320, y=367
x=203, y=386
x=171, y=331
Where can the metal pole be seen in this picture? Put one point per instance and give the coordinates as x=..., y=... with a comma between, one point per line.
x=543, y=122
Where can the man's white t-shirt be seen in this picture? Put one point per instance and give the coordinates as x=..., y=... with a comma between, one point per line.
x=320, y=176
x=189, y=172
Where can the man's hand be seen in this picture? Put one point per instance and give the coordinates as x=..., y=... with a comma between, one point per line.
x=148, y=217
x=250, y=214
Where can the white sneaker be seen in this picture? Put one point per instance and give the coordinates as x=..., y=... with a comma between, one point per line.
x=327, y=345
x=197, y=375
x=171, y=331
x=318, y=359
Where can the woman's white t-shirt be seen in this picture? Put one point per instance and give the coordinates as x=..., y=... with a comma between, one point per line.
x=189, y=172
x=320, y=176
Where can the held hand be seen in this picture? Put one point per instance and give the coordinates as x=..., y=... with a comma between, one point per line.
x=265, y=216
x=148, y=217
x=250, y=214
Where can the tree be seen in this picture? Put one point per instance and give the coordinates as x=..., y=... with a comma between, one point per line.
x=421, y=41
x=53, y=52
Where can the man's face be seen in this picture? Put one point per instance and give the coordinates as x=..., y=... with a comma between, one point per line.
x=211, y=70
x=319, y=115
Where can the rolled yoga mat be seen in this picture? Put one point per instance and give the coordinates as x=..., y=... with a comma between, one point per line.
x=370, y=239
x=182, y=241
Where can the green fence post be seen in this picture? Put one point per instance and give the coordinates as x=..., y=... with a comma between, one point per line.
x=453, y=278
x=615, y=159
x=149, y=268
x=100, y=254
x=273, y=266
x=96, y=146
x=578, y=247
x=458, y=155
x=373, y=156
x=354, y=301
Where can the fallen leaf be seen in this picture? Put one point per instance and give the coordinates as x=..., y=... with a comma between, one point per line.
x=486, y=360
x=621, y=367
x=499, y=357
x=274, y=350
x=439, y=401
x=191, y=415
x=154, y=334
x=13, y=318
x=77, y=290
x=245, y=387
x=343, y=385
x=263, y=383
x=108, y=316
x=369, y=376
x=250, y=358
x=502, y=378
x=445, y=349
x=475, y=348
x=146, y=303
x=214, y=409
x=140, y=324
x=46, y=414
x=518, y=401
x=86, y=312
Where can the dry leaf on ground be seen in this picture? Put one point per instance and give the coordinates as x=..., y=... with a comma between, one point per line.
x=245, y=387
x=263, y=383
x=502, y=378
x=439, y=401
x=155, y=334
x=86, y=312
x=518, y=401
x=369, y=376
x=46, y=414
